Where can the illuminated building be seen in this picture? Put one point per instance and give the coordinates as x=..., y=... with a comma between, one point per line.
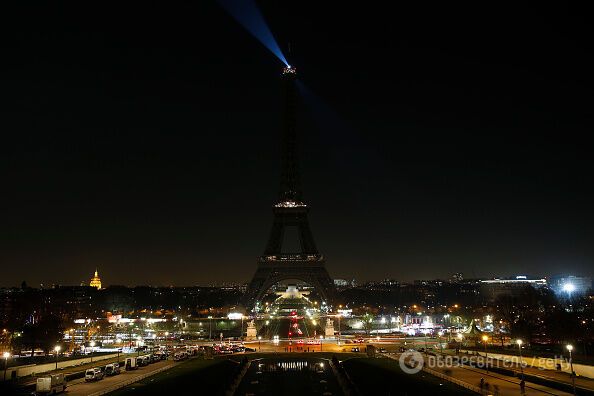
x=568, y=285
x=494, y=288
x=95, y=281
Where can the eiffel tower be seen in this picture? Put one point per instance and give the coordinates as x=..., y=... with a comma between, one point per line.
x=306, y=264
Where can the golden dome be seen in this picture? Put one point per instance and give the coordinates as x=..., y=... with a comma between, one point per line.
x=95, y=281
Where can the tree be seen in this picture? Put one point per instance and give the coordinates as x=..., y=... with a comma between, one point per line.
x=368, y=323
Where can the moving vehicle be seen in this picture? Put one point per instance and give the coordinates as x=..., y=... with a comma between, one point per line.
x=94, y=374
x=51, y=384
x=131, y=363
x=355, y=349
x=112, y=369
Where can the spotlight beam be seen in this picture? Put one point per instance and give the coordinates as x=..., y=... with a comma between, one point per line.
x=248, y=15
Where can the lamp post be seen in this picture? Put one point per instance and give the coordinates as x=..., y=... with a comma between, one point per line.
x=92, y=349
x=210, y=327
x=570, y=348
x=519, y=342
x=5, y=355
x=57, y=350
x=339, y=315
x=241, y=333
x=321, y=342
x=119, y=342
x=439, y=334
x=259, y=341
x=485, y=339
x=459, y=336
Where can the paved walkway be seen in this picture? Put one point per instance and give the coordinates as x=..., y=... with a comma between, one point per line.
x=497, y=383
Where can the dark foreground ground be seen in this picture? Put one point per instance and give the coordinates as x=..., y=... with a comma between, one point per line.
x=211, y=377
x=206, y=377
x=371, y=376
x=381, y=377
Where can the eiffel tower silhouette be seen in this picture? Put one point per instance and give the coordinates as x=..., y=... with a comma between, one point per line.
x=290, y=212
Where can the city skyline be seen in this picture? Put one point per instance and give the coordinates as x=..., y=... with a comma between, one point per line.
x=153, y=155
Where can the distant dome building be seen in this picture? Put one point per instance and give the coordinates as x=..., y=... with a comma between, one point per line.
x=95, y=281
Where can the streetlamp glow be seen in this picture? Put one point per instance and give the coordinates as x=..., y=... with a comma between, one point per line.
x=57, y=349
x=519, y=342
x=485, y=339
x=92, y=344
x=5, y=355
x=570, y=348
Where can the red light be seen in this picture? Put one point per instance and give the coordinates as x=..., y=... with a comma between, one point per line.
x=290, y=334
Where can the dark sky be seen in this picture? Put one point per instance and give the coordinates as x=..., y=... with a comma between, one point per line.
x=144, y=140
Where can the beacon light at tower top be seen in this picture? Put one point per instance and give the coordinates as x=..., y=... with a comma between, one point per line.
x=289, y=70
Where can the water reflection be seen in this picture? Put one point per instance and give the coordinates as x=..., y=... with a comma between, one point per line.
x=290, y=365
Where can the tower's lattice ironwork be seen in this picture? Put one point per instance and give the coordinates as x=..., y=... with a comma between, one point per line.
x=276, y=264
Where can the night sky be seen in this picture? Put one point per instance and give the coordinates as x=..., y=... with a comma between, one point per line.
x=144, y=141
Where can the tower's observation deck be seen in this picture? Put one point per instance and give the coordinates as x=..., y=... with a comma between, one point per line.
x=289, y=70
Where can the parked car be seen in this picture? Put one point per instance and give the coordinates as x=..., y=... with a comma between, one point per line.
x=112, y=369
x=94, y=374
x=142, y=361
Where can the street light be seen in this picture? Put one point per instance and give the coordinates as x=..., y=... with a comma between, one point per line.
x=259, y=340
x=485, y=339
x=210, y=327
x=519, y=342
x=339, y=315
x=5, y=355
x=439, y=335
x=460, y=337
x=57, y=350
x=92, y=349
x=570, y=348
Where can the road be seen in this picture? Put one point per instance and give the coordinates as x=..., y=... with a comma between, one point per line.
x=87, y=388
x=30, y=382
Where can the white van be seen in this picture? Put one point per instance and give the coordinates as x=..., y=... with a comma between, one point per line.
x=94, y=374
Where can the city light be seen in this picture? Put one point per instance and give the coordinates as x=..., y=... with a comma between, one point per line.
x=569, y=347
x=569, y=288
